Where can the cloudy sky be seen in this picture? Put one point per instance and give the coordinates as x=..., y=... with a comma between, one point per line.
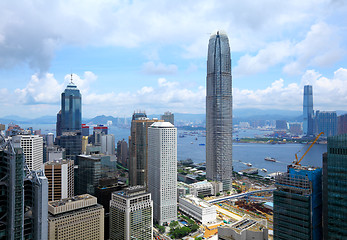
x=151, y=55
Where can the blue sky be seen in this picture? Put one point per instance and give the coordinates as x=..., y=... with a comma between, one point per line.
x=151, y=55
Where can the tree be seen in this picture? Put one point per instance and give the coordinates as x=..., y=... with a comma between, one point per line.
x=218, y=194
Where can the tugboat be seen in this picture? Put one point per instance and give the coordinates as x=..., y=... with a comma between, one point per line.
x=270, y=159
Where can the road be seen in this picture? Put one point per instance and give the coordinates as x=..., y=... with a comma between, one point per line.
x=221, y=199
x=228, y=213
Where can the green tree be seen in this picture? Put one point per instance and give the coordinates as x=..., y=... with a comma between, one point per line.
x=218, y=194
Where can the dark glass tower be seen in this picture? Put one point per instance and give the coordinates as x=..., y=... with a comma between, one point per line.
x=219, y=110
x=308, y=111
x=71, y=108
x=335, y=188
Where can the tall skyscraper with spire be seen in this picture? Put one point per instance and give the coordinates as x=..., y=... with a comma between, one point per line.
x=308, y=111
x=71, y=108
x=219, y=110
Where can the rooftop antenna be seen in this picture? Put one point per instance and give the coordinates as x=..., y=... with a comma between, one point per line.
x=71, y=78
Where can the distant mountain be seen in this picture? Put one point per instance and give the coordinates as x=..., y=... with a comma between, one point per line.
x=101, y=120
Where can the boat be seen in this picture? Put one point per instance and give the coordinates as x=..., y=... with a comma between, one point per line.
x=270, y=159
x=249, y=164
x=264, y=169
x=191, y=142
x=202, y=144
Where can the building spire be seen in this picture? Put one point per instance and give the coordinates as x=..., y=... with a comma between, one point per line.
x=71, y=79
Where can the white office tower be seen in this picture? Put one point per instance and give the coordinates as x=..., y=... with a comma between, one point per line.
x=108, y=144
x=162, y=171
x=131, y=214
x=32, y=146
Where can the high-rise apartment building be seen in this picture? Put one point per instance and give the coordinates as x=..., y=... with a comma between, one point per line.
x=11, y=187
x=131, y=214
x=308, y=111
x=138, y=149
x=219, y=111
x=32, y=146
x=298, y=204
x=326, y=121
x=335, y=188
x=79, y=217
x=162, y=170
x=60, y=175
x=71, y=108
x=168, y=117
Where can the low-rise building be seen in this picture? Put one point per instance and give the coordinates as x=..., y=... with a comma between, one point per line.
x=245, y=229
x=198, y=209
x=79, y=217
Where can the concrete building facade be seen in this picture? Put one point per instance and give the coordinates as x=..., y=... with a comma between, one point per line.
x=198, y=209
x=80, y=217
x=162, y=169
x=131, y=214
x=60, y=175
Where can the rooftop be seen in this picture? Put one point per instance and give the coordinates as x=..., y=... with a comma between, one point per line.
x=70, y=204
x=162, y=125
x=197, y=201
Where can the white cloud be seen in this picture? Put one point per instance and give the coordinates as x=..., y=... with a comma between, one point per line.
x=328, y=93
x=158, y=69
x=31, y=31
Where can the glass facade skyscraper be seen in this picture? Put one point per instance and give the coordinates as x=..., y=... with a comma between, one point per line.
x=219, y=111
x=335, y=188
x=71, y=108
x=308, y=111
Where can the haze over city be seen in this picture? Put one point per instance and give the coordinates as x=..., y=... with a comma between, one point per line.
x=128, y=55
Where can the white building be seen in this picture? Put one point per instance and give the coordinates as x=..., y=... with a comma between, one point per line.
x=32, y=146
x=131, y=214
x=108, y=144
x=198, y=209
x=162, y=171
x=206, y=188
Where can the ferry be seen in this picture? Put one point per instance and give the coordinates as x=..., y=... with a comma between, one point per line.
x=270, y=159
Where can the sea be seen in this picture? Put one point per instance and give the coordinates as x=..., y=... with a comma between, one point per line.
x=192, y=146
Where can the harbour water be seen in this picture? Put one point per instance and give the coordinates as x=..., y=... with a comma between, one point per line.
x=192, y=146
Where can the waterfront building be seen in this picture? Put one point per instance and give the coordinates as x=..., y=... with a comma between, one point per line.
x=308, y=111
x=108, y=143
x=295, y=129
x=298, y=204
x=71, y=108
x=335, y=188
x=60, y=175
x=138, y=149
x=79, y=217
x=131, y=214
x=198, y=209
x=342, y=124
x=168, y=117
x=281, y=125
x=219, y=111
x=326, y=121
x=36, y=205
x=244, y=229
x=162, y=170
x=11, y=187
x=122, y=152
x=32, y=146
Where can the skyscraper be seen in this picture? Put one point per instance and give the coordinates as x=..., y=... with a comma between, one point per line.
x=308, y=111
x=131, y=214
x=168, y=117
x=32, y=146
x=71, y=108
x=60, y=175
x=162, y=171
x=219, y=111
x=326, y=121
x=11, y=187
x=335, y=188
x=138, y=148
x=298, y=204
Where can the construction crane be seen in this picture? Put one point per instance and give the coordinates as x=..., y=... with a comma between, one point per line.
x=296, y=161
